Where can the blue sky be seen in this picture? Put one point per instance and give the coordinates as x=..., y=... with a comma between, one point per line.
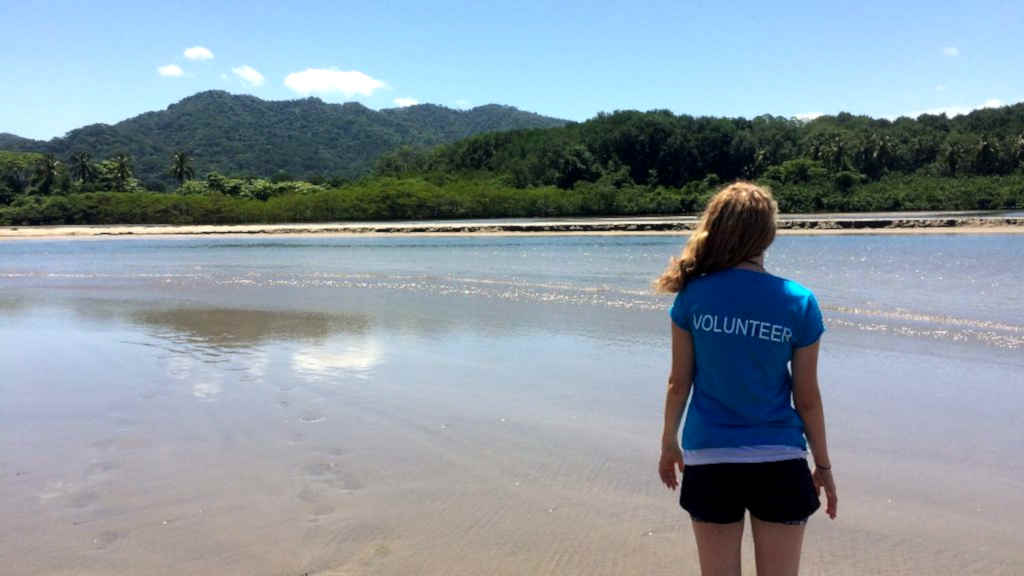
x=67, y=64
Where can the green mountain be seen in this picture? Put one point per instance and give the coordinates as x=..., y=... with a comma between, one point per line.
x=246, y=136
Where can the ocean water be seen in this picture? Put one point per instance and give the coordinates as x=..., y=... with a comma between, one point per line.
x=467, y=404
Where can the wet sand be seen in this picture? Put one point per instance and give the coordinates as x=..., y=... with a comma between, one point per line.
x=265, y=410
x=894, y=223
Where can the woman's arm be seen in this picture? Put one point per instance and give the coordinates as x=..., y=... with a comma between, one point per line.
x=680, y=380
x=807, y=398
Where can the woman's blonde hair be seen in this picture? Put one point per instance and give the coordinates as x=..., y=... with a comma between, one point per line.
x=737, y=225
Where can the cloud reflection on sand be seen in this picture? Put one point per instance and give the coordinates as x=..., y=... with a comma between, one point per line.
x=337, y=356
x=207, y=389
x=209, y=349
x=256, y=366
x=206, y=382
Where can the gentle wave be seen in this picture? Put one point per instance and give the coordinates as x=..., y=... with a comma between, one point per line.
x=899, y=322
x=906, y=315
x=896, y=322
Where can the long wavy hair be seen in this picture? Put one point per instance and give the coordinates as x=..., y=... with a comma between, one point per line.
x=737, y=225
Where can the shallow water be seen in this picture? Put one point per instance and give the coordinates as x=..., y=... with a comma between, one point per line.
x=469, y=404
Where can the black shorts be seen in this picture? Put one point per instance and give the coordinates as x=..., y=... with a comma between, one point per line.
x=773, y=492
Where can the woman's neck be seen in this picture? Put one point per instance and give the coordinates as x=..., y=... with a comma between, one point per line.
x=756, y=264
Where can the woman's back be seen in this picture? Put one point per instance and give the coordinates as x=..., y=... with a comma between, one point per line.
x=745, y=325
x=737, y=332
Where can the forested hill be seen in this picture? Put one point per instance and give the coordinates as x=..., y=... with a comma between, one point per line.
x=623, y=163
x=824, y=164
x=301, y=139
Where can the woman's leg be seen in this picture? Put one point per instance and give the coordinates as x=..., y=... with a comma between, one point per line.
x=777, y=547
x=718, y=546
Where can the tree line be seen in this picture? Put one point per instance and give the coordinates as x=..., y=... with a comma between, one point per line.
x=660, y=148
x=620, y=163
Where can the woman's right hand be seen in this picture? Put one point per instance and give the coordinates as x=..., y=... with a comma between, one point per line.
x=823, y=479
x=671, y=458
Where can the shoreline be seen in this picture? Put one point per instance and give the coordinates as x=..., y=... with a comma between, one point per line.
x=788, y=225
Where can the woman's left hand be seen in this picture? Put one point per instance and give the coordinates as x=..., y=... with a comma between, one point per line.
x=671, y=458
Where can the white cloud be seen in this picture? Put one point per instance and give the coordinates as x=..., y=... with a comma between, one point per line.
x=330, y=81
x=170, y=70
x=403, y=102
x=460, y=103
x=249, y=75
x=951, y=51
x=198, y=53
x=951, y=111
x=808, y=116
x=940, y=87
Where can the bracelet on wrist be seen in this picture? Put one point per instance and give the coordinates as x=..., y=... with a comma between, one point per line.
x=820, y=467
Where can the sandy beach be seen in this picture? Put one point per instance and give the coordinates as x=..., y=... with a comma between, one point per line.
x=472, y=405
x=412, y=289
x=908, y=223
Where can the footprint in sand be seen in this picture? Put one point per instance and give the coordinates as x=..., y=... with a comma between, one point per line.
x=311, y=417
x=106, y=538
x=283, y=401
x=318, y=468
x=333, y=474
x=122, y=440
x=53, y=490
x=362, y=562
x=83, y=498
x=318, y=499
x=99, y=468
x=105, y=443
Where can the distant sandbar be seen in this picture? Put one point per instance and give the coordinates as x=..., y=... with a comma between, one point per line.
x=933, y=223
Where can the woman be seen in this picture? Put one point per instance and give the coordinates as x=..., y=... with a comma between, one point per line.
x=736, y=331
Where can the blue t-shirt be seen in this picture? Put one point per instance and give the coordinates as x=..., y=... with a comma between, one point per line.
x=745, y=325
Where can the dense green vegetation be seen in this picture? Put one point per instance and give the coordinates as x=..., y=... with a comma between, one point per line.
x=246, y=136
x=662, y=149
x=626, y=163
x=230, y=201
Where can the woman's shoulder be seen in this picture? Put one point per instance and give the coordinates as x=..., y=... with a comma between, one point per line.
x=796, y=294
x=795, y=288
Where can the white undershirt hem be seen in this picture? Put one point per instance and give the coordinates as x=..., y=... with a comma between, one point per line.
x=743, y=454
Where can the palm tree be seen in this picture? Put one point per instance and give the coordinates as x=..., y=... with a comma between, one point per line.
x=18, y=179
x=181, y=167
x=952, y=153
x=46, y=171
x=82, y=168
x=123, y=170
x=986, y=155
